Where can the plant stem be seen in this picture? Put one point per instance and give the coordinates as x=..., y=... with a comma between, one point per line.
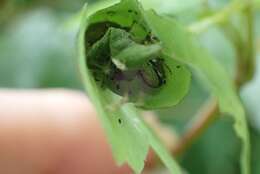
x=250, y=31
x=245, y=50
x=244, y=72
x=195, y=128
x=219, y=17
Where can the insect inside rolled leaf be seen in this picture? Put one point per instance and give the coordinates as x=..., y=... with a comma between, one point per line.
x=146, y=79
x=150, y=77
x=154, y=74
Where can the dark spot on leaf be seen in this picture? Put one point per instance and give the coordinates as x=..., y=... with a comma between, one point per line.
x=164, y=81
x=119, y=121
x=111, y=12
x=130, y=11
x=178, y=66
x=134, y=22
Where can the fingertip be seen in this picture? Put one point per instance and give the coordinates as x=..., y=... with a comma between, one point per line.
x=52, y=131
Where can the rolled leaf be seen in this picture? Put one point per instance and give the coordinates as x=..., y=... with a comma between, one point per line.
x=123, y=69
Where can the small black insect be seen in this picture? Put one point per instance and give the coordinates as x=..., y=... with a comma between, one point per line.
x=154, y=74
x=108, y=75
x=150, y=38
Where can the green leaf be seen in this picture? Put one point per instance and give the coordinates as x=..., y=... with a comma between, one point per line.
x=180, y=44
x=127, y=139
x=153, y=85
x=127, y=133
x=127, y=54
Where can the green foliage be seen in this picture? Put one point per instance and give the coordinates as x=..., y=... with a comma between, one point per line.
x=128, y=53
x=158, y=80
x=176, y=43
x=186, y=49
x=127, y=133
x=29, y=60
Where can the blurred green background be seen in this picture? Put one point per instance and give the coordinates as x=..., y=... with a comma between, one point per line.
x=38, y=50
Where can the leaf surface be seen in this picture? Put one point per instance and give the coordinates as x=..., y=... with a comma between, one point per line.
x=127, y=133
x=183, y=47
